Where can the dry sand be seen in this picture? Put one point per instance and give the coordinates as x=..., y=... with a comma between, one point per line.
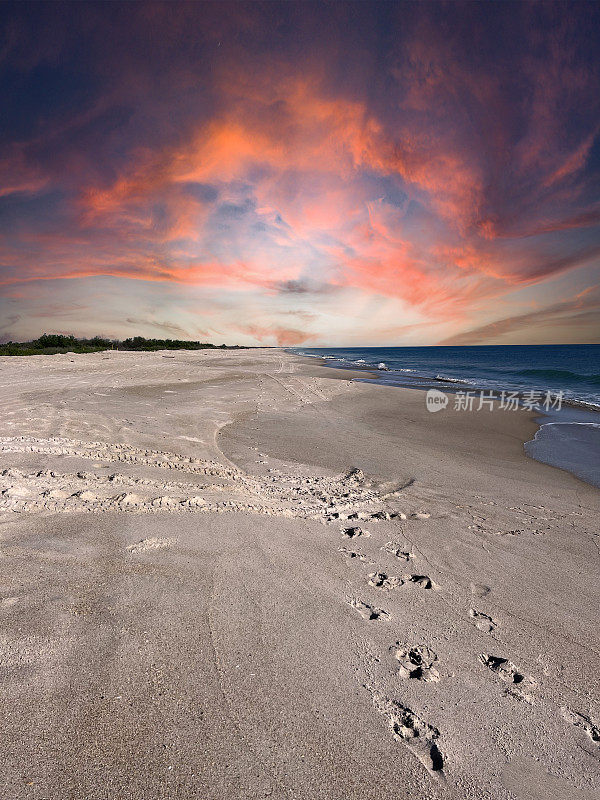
x=242, y=575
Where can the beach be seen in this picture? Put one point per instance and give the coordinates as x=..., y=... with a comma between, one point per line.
x=244, y=574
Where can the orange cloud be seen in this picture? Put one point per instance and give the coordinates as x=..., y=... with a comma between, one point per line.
x=284, y=337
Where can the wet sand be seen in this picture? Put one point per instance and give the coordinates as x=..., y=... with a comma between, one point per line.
x=239, y=574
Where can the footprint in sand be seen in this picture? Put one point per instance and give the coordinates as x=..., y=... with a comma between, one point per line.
x=420, y=737
x=388, y=515
x=153, y=543
x=352, y=554
x=519, y=532
x=519, y=685
x=354, y=532
x=85, y=495
x=358, y=515
x=194, y=502
x=56, y=494
x=398, y=552
x=165, y=502
x=482, y=621
x=423, y=581
x=127, y=499
x=382, y=580
x=368, y=611
x=583, y=722
x=416, y=662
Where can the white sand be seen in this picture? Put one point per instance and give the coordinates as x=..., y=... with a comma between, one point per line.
x=238, y=574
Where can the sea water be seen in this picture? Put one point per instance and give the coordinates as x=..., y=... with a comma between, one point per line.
x=569, y=437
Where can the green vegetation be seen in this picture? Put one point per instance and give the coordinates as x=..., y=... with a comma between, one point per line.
x=51, y=343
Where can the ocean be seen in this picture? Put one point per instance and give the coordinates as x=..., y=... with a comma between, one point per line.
x=564, y=380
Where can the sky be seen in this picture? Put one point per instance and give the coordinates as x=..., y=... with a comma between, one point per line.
x=344, y=173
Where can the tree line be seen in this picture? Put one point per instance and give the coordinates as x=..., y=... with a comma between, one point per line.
x=51, y=343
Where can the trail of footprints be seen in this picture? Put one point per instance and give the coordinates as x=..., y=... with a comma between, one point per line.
x=322, y=498
x=413, y=661
x=347, y=498
x=418, y=662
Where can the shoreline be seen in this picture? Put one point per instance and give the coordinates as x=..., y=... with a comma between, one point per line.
x=575, y=455
x=241, y=574
x=425, y=382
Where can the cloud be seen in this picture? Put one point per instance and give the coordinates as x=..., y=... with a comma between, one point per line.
x=583, y=308
x=304, y=286
x=284, y=337
x=265, y=150
x=164, y=327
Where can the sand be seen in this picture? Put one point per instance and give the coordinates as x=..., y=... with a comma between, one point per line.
x=241, y=574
